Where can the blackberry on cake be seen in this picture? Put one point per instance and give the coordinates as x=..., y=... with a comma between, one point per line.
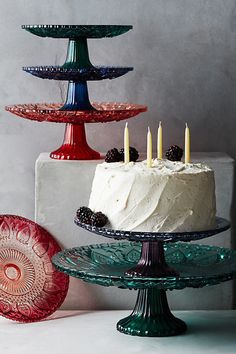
x=113, y=155
x=84, y=215
x=99, y=219
x=174, y=153
x=133, y=154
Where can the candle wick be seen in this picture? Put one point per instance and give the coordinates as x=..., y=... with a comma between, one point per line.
x=186, y=125
x=160, y=124
x=126, y=125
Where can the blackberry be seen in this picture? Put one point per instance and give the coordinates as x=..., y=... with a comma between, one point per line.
x=99, y=219
x=174, y=153
x=133, y=154
x=84, y=214
x=113, y=155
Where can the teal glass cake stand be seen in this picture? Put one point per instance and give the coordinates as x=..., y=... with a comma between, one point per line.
x=152, y=268
x=77, y=31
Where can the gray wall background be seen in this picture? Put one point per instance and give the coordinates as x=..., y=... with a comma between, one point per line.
x=183, y=52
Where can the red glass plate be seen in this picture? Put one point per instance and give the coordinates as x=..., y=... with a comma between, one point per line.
x=30, y=287
x=75, y=146
x=104, y=112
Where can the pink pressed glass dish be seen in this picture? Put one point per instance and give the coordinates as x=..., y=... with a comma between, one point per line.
x=30, y=287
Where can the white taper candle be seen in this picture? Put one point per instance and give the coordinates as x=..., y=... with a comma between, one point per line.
x=187, y=144
x=126, y=143
x=159, y=142
x=149, y=148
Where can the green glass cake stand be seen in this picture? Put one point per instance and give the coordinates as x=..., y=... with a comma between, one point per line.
x=152, y=267
x=77, y=31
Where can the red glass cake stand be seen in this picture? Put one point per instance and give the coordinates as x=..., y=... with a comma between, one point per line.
x=75, y=146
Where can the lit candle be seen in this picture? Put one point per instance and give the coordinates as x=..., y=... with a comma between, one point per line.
x=126, y=143
x=149, y=149
x=187, y=144
x=159, y=142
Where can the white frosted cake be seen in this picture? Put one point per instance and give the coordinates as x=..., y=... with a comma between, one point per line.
x=170, y=196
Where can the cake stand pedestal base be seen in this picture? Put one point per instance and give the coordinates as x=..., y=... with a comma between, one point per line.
x=152, y=262
x=75, y=146
x=151, y=316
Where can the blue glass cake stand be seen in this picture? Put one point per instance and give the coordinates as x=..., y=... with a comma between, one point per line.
x=77, y=74
x=153, y=264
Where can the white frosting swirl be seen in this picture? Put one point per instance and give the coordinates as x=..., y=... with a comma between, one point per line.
x=170, y=196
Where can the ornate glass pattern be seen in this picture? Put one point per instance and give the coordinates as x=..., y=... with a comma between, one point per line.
x=76, y=31
x=30, y=287
x=106, y=264
x=80, y=74
x=104, y=112
x=221, y=225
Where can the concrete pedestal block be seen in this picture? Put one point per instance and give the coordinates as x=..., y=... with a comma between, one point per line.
x=63, y=186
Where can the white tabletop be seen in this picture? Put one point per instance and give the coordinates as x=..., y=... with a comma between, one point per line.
x=83, y=332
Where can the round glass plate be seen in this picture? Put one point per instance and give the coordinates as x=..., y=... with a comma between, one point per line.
x=84, y=74
x=221, y=225
x=104, y=112
x=30, y=287
x=76, y=31
x=106, y=264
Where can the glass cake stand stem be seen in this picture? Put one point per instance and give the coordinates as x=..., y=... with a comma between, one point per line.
x=77, y=54
x=75, y=146
x=77, y=92
x=152, y=262
x=77, y=98
x=151, y=316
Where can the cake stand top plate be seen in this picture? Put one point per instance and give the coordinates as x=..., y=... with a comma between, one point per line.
x=104, y=112
x=81, y=74
x=76, y=31
x=106, y=264
x=221, y=225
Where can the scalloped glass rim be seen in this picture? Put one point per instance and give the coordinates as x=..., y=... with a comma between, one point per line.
x=115, y=261
x=75, y=31
x=104, y=112
x=34, y=290
x=82, y=74
x=221, y=225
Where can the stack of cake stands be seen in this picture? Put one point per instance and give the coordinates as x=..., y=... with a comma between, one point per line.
x=77, y=70
x=150, y=263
